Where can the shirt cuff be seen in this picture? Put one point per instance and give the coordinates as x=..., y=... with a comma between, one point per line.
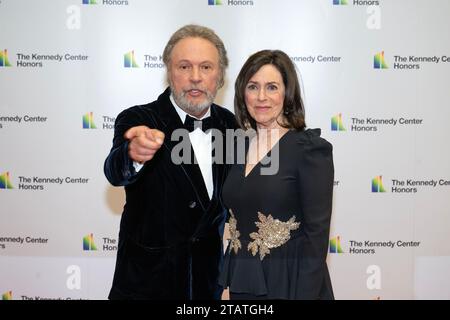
x=137, y=166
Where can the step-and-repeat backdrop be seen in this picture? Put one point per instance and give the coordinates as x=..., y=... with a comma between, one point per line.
x=375, y=75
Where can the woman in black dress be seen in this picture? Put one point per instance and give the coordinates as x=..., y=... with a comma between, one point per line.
x=280, y=199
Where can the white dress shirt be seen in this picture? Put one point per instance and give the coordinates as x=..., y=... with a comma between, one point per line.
x=202, y=145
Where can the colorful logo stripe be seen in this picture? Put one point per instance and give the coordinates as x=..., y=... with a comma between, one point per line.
x=129, y=61
x=377, y=184
x=4, y=62
x=336, y=123
x=7, y=295
x=5, y=181
x=88, y=243
x=88, y=121
x=335, y=245
x=378, y=61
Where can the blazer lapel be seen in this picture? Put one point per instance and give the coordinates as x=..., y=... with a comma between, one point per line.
x=214, y=211
x=170, y=122
x=218, y=165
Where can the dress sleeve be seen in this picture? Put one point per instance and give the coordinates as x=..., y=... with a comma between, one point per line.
x=316, y=176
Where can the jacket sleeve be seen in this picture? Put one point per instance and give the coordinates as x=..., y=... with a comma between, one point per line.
x=118, y=166
x=316, y=179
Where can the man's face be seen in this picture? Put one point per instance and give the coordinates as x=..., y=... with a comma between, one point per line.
x=193, y=74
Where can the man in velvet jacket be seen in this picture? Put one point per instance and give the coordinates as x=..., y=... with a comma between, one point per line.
x=170, y=239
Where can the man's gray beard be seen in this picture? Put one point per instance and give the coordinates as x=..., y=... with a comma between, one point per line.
x=191, y=107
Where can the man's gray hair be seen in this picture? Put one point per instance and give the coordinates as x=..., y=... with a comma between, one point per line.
x=196, y=31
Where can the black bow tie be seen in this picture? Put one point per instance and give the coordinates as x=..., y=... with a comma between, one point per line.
x=191, y=123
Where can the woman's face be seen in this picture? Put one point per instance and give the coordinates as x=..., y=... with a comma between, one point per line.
x=264, y=97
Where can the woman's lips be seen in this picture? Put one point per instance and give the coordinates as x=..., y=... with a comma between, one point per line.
x=262, y=108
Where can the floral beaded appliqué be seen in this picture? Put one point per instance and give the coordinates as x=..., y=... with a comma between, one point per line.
x=235, y=243
x=272, y=233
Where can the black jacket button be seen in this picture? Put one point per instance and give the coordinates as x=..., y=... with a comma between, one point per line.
x=192, y=204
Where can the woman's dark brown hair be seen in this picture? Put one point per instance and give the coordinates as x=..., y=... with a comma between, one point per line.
x=293, y=108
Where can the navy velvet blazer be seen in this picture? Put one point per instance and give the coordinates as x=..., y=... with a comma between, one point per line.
x=170, y=239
